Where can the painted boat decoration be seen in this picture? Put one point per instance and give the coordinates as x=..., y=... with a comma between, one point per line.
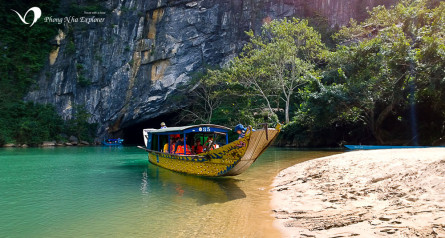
x=382, y=147
x=219, y=158
x=113, y=142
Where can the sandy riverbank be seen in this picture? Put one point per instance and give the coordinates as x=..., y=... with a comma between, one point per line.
x=381, y=193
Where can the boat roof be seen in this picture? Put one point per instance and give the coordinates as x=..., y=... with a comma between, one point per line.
x=188, y=129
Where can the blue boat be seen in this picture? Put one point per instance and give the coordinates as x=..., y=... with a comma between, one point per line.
x=113, y=142
x=382, y=147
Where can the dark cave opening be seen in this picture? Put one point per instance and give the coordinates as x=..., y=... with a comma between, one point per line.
x=133, y=134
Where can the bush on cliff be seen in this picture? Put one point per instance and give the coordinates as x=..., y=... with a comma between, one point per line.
x=79, y=125
x=28, y=123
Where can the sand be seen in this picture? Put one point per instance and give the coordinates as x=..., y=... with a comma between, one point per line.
x=379, y=193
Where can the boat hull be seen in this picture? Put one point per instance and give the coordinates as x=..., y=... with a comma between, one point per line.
x=214, y=163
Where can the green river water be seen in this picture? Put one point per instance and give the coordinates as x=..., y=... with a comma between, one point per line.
x=115, y=192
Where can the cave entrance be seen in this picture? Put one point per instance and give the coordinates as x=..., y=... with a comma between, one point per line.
x=133, y=134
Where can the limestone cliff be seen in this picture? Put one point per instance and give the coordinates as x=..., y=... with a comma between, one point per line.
x=128, y=68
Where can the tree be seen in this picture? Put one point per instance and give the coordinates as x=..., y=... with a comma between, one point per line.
x=205, y=97
x=278, y=61
x=390, y=61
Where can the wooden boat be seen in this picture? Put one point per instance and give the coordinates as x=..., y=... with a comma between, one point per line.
x=382, y=147
x=113, y=142
x=229, y=159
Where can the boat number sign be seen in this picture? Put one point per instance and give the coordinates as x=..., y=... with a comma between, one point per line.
x=204, y=129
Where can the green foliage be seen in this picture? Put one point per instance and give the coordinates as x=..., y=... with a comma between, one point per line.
x=321, y=25
x=70, y=47
x=215, y=99
x=83, y=81
x=28, y=123
x=207, y=94
x=24, y=48
x=263, y=82
x=24, y=51
x=31, y=124
x=275, y=63
x=79, y=67
x=305, y=41
x=386, y=64
x=79, y=125
x=38, y=123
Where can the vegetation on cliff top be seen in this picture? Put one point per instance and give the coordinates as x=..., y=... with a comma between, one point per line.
x=24, y=52
x=382, y=83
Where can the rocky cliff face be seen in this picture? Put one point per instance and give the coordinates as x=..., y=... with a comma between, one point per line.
x=127, y=69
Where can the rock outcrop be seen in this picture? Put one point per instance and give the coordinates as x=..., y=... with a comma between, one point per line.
x=128, y=68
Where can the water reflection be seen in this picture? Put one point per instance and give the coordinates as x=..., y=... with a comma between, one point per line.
x=144, y=183
x=203, y=190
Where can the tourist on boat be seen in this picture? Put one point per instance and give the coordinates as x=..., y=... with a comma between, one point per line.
x=165, y=150
x=188, y=150
x=180, y=150
x=240, y=130
x=197, y=148
x=179, y=142
x=179, y=146
x=163, y=126
x=209, y=145
x=172, y=144
x=208, y=142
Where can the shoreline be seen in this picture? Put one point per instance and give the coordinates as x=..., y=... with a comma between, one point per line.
x=377, y=193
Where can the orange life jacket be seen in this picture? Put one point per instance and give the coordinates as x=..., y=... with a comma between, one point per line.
x=187, y=150
x=180, y=149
